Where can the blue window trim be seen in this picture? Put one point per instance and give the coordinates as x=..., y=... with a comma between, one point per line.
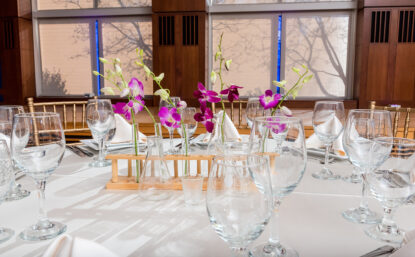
x=279, y=51
x=97, y=56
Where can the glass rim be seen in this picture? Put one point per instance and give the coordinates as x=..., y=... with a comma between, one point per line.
x=5, y=106
x=99, y=100
x=393, y=140
x=37, y=115
x=223, y=157
x=329, y=102
x=283, y=119
x=368, y=111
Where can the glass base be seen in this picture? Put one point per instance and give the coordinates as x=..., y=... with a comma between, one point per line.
x=362, y=216
x=5, y=234
x=17, y=193
x=267, y=250
x=43, y=231
x=388, y=234
x=152, y=194
x=354, y=178
x=325, y=174
x=100, y=164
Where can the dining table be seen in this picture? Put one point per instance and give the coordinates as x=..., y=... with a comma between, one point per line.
x=128, y=225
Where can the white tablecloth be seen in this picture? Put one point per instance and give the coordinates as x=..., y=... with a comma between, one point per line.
x=311, y=220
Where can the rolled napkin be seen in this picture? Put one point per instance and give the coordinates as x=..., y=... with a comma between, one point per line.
x=408, y=247
x=66, y=246
x=124, y=131
x=229, y=129
x=314, y=142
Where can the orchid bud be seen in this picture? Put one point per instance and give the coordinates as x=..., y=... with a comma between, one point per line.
x=107, y=91
x=163, y=93
x=228, y=64
x=159, y=78
x=96, y=73
x=213, y=77
x=124, y=92
x=287, y=112
x=147, y=70
x=182, y=105
x=118, y=69
x=103, y=60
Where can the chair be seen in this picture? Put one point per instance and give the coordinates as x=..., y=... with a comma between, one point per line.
x=397, y=111
x=73, y=115
x=239, y=104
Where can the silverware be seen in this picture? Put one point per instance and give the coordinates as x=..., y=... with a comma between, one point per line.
x=19, y=174
x=76, y=151
x=84, y=151
x=180, y=144
x=387, y=249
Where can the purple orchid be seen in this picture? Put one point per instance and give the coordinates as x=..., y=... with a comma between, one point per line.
x=205, y=117
x=269, y=100
x=181, y=105
x=232, y=93
x=204, y=95
x=275, y=125
x=124, y=109
x=169, y=118
x=136, y=87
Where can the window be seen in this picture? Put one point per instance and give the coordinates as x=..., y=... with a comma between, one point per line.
x=69, y=41
x=265, y=42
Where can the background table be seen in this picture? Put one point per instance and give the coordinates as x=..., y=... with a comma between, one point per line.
x=310, y=218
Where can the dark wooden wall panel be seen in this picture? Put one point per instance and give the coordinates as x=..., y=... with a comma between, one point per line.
x=404, y=82
x=377, y=70
x=178, y=5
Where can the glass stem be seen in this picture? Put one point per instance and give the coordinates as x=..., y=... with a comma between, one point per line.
x=388, y=224
x=363, y=202
x=239, y=252
x=274, y=237
x=326, y=157
x=101, y=150
x=43, y=218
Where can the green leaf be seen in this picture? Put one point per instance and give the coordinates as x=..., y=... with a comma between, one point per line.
x=217, y=55
x=228, y=64
x=96, y=73
x=213, y=77
x=307, y=79
x=139, y=63
x=305, y=67
x=147, y=70
x=296, y=70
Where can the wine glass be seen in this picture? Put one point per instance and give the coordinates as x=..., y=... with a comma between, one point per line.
x=392, y=183
x=175, y=100
x=253, y=110
x=239, y=199
x=328, y=124
x=108, y=138
x=6, y=118
x=38, y=145
x=362, y=127
x=281, y=140
x=187, y=115
x=100, y=120
x=6, y=181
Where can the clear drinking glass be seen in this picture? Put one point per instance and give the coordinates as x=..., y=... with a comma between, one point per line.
x=254, y=109
x=362, y=127
x=391, y=183
x=6, y=119
x=239, y=199
x=100, y=120
x=38, y=145
x=175, y=101
x=108, y=138
x=281, y=140
x=188, y=118
x=328, y=124
x=6, y=181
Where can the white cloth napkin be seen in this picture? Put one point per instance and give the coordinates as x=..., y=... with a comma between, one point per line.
x=408, y=248
x=66, y=246
x=124, y=131
x=333, y=123
x=230, y=131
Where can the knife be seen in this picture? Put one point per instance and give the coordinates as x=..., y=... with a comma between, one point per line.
x=86, y=152
x=76, y=151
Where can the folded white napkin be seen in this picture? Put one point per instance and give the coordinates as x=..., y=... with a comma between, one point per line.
x=66, y=246
x=229, y=129
x=124, y=131
x=408, y=248
x=333, y=124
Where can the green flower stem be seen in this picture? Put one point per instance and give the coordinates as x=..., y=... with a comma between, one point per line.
x=221, y=87
x=137, y=166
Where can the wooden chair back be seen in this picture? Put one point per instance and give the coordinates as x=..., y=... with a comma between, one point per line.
x=397, y=114
x=240, y=105
x=69, y=111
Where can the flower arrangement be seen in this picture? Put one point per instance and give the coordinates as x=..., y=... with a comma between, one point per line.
x=134, y=91
x=209, y=96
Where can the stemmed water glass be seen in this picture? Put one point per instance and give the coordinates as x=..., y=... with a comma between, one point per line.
x=100, y=120
x=37, y=146
x=239, y=199
x=362, y=127
x=281, y=140
x=187, y=118
x=6, y=180
x=328, y=124
x=253, y=110
x=6, y=118
x=391, y=183
x=175, y=100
